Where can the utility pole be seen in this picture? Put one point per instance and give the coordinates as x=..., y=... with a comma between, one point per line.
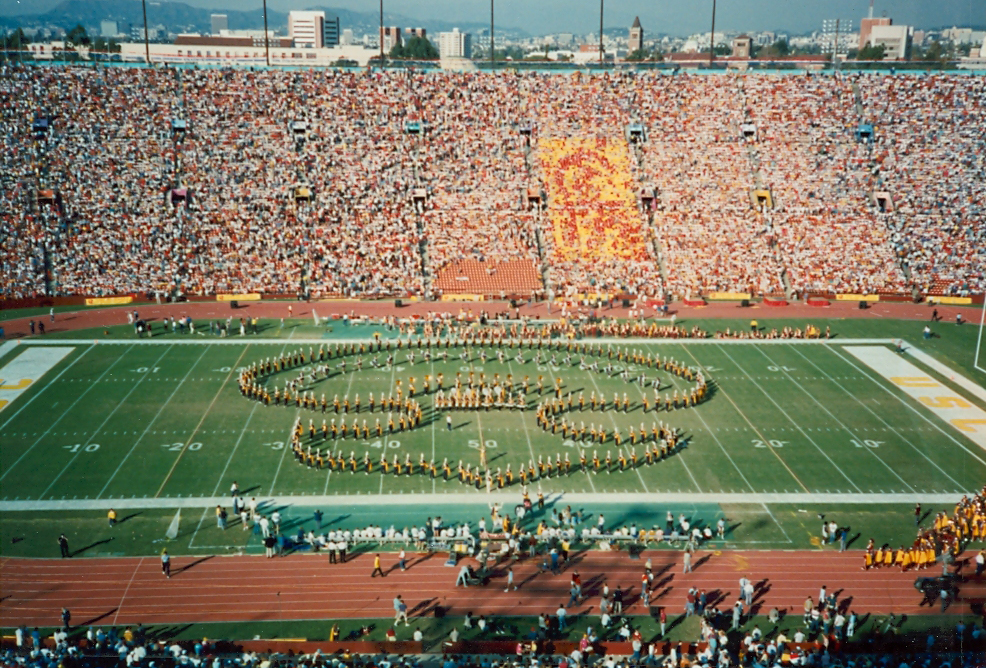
x=266, y=40
x=147, y=41
x=712, y=37
x=600, y=32
x=381, y=33
x=492, y=41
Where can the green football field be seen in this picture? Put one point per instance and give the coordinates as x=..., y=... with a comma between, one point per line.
x=161, y=423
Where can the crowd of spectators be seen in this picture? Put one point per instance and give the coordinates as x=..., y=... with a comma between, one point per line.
x=928, y=156
x=372, y=184
x=711, y=236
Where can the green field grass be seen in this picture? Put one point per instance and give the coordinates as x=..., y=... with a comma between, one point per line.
x=121, y=420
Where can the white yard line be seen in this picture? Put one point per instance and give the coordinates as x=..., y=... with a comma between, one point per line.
x=794, y=422
x=284, y=450
x=612, y=420
x=386, y=435
x=509, y=498
x=434, y=419
x=907, y=405
x=46, y=386
x=64, y=413
x=835, y=419
x=733, y=462
x=880, y=418
x=523, y=422
x=151, y=423
x=89, y=440
x=232, y=370
x=719, y=390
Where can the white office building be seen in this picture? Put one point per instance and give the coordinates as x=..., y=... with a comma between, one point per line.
x=307, y=29
x=455, y=44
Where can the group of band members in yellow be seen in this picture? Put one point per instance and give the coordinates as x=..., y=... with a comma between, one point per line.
x=249, y=376
x=919, y=556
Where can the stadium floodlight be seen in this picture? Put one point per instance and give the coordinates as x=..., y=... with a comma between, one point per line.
x=831, y=29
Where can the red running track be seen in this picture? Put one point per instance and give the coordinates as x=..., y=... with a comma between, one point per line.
x=248, y=588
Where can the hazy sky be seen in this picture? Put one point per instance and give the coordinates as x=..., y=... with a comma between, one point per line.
x=671, y=16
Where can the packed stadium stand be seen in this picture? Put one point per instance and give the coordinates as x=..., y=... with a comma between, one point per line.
x=398, y=184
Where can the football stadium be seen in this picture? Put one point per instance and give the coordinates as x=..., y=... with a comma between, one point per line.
x=669, y=368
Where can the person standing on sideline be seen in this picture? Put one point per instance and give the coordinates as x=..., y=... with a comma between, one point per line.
x=63, y=546
x=663, y=619
x=448, y=422
x=166, y=564
x=318, y=520
x=917, y=515
x=111, y=517
x=402, y=560
x=377, y=568
x=687, y=561
x=401, y=607
x=66, y=619
x=561, y=613
x=234, y=489
x=980, y=562
x=510, y=579
x=221, y=517
x=51, y=312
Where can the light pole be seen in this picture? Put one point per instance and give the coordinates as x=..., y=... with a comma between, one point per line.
x=712, y=37
x=492, y=41
x=381, y=33
x=266, y=38
x=147, y=42
x=601, y=32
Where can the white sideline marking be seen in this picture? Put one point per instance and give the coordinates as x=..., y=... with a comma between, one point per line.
x=943, y=402
x=946, y=371
x=209, y=340
x=21, y=373
x=507, y=498
x=7, y=346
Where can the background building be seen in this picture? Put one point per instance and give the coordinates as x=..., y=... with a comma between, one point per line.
x=220, y=22
x=390, y=37
x=896, y=40
x=307, y=29
x=331, y=35
x=741, y=46
x=415, y=32
x=635, y=42
x=455, y=44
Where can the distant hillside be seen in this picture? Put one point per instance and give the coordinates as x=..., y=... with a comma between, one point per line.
x=181, y=17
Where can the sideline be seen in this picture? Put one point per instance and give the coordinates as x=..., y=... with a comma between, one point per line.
x=212, y=340
x=756, y=498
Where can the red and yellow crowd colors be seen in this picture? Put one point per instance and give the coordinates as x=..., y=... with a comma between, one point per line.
x=593, y=208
